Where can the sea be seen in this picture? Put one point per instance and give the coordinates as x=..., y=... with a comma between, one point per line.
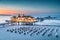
x=47, y=29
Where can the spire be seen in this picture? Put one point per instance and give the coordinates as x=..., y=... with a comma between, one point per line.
x=18, y=15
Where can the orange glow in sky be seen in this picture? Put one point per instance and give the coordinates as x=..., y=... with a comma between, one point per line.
x=4, y=11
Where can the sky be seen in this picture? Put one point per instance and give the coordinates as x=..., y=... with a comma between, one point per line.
x=29, y=6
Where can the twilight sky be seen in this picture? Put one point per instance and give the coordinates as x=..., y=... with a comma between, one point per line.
x=29, y=6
